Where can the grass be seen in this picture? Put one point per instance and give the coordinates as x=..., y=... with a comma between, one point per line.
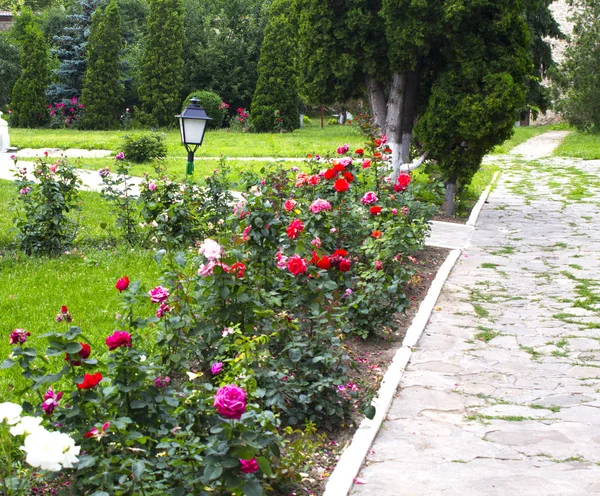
x=34, y=288
x=580, y=145
x=309, y=139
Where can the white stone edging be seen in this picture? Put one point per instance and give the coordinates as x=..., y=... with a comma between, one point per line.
x=342, y=478
x=482, y=199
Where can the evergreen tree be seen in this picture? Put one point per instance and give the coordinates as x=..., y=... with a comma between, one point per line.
x=71, y=52
x=28, y=102
x=102, y=91
x=10, y=68
x=162, y=65
x=579, y=76
x=277, y=86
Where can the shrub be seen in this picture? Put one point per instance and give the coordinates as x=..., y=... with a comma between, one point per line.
x=141, y=147
x=212, y=104
x=42, y=208
x=67, y=113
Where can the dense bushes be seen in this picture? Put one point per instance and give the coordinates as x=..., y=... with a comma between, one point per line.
x=140, y=147
x=212, y=104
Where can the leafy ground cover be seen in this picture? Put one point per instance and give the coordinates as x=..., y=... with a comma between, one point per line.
x=580, y=145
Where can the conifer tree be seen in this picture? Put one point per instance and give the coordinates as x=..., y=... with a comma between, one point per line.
x=277, y=86
x=162, y=65
x=28, y=102
x=102, y=92
x=71, y=51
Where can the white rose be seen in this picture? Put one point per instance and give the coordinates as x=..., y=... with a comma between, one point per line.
x=27, y=425
x=10, y=413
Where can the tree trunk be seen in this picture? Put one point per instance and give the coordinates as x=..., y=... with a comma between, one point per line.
x=393, y=119
x=376, y=93
x=342, y=120
x=449, y=203
x=322, y=116
x=409, y=112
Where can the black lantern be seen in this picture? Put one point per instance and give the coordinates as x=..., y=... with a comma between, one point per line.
x=192, y=124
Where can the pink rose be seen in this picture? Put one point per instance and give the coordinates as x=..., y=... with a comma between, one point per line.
x=158, y=294
x=319, y=205
x=282, y=260
x=161, y=382
x=343, y=149
x=297, y=265
x=230, y=402
x=289, y=205
x=316, y=242
x=369, y=197
x=162, y=309
x=216, y=368
x=249, y=466
x=19, y=336
x=151, y=186
x=51, y=400
x=211, y=249
x=378, y=265
x=118, y=339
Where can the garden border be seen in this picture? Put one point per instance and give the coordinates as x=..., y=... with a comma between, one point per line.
x=341, y=479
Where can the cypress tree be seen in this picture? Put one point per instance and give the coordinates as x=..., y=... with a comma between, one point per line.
x=162, y=65
x=71, y=51
x=102, y=91
x=277, y=86
x=28, y=102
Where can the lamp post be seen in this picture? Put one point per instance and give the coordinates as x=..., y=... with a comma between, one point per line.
x=192, y=124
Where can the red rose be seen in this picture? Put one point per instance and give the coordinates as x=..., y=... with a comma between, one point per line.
x=122, y=284
x=344, y=265
x=366, y=163
x=378, y=265
x=376, y=234
x=314, y=180
x=337, y=167
x=249, y=466
x=289, y=205
x=341, y=185
x=360, y=152
x=90, y=381
x=238, y=269
x=348, y=175
x=315, y=258
x=375, y=210
x=340, y=253
x=64, y=309
x=295, y=228
x=403, y=182
x=297, y=265
x=324, y=263
x=330, y=174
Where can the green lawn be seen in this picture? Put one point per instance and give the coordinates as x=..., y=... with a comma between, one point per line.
x=310, y=139
x=580, y=145
x=34, y=288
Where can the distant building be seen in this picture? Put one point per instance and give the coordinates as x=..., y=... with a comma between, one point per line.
x=6, y=19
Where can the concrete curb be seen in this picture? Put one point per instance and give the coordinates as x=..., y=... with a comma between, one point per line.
x=342, y=478
x=482, y=199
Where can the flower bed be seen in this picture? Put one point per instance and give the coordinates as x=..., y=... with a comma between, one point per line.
x=247, y=351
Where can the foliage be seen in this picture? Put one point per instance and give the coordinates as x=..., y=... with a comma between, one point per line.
x=578, y=80
x=28, y=102
x=41, y=211
x=102, y=91
x=141, y=147
x=475, y=98
x=277, y=85
x=117, y=189
x=212, y=104
x=222, y=47
x=162, y=64
x=10, y=68
x=241, y=122
x=70, y=49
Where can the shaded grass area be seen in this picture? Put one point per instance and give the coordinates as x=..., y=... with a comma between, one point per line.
x=310, y=139
x=580, y=145
x=522, y=134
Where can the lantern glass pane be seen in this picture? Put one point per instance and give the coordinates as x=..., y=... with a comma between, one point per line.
x=194, y=131
x=182, y=130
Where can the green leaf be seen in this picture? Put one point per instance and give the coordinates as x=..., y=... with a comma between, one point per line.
x=252, y=488
x=295, y=355
x=138, y=468
x=370, y=412
x=180, y=259
x=86, y=461
x=8, y=363
x=73, y=348
x=137, y=404
x=212, y=472
x=160, y=255
x=265, y=465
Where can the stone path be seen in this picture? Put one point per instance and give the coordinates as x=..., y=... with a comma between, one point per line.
x=502, y=395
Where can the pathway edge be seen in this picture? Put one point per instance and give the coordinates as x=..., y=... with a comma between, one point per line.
x=482, y=199
x=342, y=478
